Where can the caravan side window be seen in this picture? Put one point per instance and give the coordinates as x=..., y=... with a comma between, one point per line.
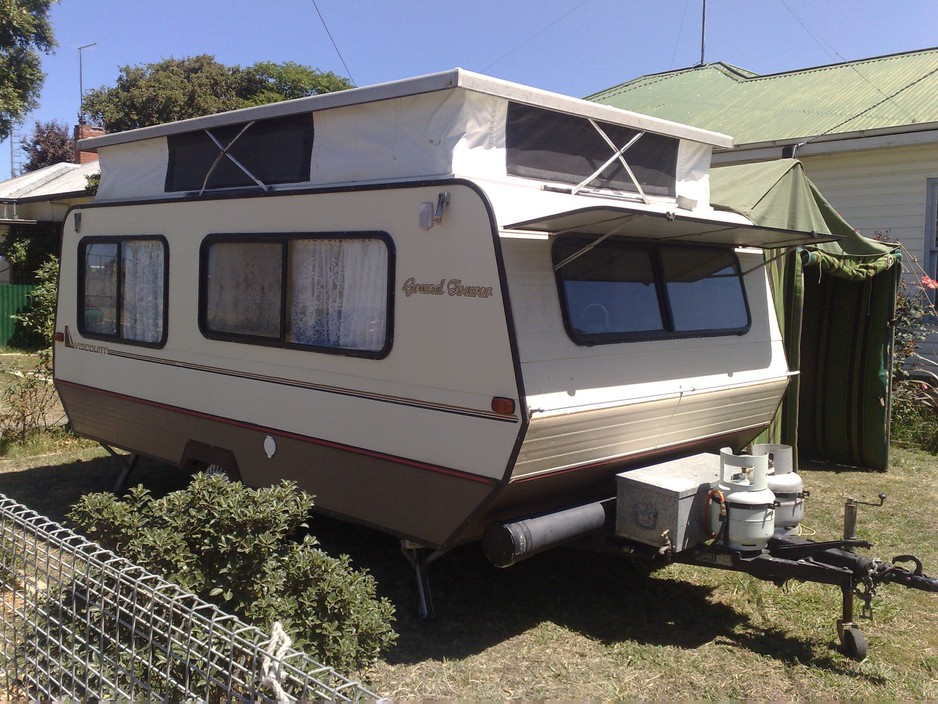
x=329, y=292
x=122, y=289
x=616, y=290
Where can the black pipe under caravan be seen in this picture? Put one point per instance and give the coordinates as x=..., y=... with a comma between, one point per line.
x=510, y=542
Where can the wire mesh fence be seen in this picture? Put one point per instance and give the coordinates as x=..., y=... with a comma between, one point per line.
x=80, y=622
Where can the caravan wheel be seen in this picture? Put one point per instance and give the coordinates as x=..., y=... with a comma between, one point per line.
x=217, y=470
x=201, y=457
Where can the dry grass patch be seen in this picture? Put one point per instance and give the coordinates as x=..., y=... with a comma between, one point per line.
x=574, y=625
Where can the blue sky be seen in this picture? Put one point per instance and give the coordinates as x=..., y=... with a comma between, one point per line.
x=576, y=47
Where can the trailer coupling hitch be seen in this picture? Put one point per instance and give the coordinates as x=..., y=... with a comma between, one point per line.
x=896, y=574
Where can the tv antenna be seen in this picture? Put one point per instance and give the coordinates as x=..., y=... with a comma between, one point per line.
x=81, y=83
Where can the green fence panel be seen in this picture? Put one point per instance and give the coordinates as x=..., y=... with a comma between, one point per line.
x=14, y=298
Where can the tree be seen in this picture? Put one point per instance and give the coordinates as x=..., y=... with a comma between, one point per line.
x=51, y=143
x=25, y=31
x=268, y=82
x=177, y=89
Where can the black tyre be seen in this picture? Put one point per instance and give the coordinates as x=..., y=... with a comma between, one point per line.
x=854, y=644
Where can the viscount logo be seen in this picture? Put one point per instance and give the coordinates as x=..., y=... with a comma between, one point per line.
x=69, y=342
x=453, y=287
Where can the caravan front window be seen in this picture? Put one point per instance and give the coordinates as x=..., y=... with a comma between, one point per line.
x=329, y=293
x=122, y=289
x=617, y=290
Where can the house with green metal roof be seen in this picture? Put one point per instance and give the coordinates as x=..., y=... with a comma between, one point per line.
x=866, y=132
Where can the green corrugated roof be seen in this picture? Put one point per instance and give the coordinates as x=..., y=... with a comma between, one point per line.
x=883, y=92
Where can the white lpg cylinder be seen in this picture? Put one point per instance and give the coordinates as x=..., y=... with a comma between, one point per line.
x=748, y=503
x=785, y=483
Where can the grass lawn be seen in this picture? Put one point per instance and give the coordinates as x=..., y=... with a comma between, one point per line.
x=574, y=625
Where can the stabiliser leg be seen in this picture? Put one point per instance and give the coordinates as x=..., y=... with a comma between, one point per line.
x=127, y=467
x=417, y=556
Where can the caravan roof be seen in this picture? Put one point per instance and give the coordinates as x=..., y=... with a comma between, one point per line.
x=447, y=80
x=448, y=124
x=534, y=149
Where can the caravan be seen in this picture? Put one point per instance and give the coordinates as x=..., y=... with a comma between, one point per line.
x=435, y=304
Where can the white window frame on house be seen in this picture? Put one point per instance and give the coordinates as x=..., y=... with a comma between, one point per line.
x=931, y=227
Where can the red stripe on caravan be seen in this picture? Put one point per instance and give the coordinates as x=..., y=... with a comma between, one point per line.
x=459, y=474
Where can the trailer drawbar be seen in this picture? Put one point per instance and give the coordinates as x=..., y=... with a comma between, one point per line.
x=731, y=512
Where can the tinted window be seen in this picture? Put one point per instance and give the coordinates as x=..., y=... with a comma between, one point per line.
x=274, y=151
x=615, y=290
x=540, y=144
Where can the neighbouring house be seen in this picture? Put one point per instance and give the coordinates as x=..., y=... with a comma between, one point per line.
x=866, y=132
x=34, y=204
x=32, y=207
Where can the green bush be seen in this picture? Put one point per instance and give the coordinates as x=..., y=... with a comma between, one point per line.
x=28, y=395
x=232, y=545
x=914, y=409
x=39, y=318
x=26, y=400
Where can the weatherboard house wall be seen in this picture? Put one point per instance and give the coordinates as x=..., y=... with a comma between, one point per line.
x=881, y=192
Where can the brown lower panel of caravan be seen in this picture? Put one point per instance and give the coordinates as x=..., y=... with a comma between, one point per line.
x=424, y=503
x=543, y=493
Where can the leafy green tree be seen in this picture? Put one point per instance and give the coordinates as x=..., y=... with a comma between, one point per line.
x=25, y=31
x=177, y=89
x=50, y=144
x=269, y=82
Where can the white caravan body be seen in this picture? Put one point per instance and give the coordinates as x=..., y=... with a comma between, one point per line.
x=433, y=303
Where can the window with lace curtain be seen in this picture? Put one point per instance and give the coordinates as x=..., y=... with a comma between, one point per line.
x=327, y=292
x=122, y=289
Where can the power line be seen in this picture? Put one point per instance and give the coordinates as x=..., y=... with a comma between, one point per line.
x=536, y=35
x=335, y=46
x=871, y=107
x=834, y=53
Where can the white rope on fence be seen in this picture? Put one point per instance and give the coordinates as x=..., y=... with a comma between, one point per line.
x=272, y=663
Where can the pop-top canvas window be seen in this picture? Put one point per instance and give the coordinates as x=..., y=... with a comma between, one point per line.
x=615, y=290
x=273, y=151
x=554, y=146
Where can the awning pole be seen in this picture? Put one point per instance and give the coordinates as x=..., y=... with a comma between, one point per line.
x=588, y=247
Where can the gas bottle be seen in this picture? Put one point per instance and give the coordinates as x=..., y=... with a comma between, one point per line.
x=786, y=484
x=743, y=517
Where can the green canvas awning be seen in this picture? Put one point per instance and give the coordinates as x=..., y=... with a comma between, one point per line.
x=835, y=303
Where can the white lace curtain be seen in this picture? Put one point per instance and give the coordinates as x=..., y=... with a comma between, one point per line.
x=143, y=282
x=339, y=293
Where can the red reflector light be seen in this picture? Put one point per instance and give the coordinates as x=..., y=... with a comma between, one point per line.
x=503, y=406
x=59, y=337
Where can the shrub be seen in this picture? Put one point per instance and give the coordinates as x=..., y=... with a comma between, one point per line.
x=232, y=545
x=39, y=318
x=29, y=395
x=27, y=399
x=914, y=410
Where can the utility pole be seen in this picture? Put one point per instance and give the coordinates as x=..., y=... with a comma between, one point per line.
x=703, y=32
